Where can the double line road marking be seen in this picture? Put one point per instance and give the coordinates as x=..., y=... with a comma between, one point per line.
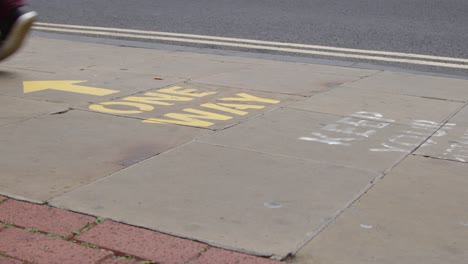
x=372, y=55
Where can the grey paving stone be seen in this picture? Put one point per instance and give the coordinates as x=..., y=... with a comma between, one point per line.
x=399, y=108
x=47, y=156
x=417, y=214
x=197, y=105
x=461, y=116
x=122, y=82
x=287, y=79
x=345, y=141
x=227, y=197
x=72, y=56
x=13, y=109
x=450, y=142
x=415, y=85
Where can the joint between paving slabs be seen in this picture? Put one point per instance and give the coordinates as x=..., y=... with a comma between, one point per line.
x=144, y=91
x=135, y=118
x=438, y=158
x=63, y=111
x=364, y=77
x=442, y=125
x=380, y=177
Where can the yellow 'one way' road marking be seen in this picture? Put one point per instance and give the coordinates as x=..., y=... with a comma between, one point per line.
x=65, y=86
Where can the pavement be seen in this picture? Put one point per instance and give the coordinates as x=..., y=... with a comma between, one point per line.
x=120, y=155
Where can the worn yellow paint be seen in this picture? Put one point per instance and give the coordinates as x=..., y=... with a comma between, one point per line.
x=242, y=106
x=65, y=86
x=243, y=97
x=224, y=109
x=186, y=92
x=141, y=108
x=157, y=98
x=189, y=119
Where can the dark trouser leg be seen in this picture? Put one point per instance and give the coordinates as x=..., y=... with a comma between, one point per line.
x=6, y=6
x=14, y=26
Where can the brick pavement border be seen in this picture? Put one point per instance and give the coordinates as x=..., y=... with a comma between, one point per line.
x=43, y=218
x=142, y=243
x=43, y=234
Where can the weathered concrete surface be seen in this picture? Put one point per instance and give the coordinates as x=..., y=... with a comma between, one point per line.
x=263, y=180
x=417, y=214
x=415, y=85
x=124, y=83
x=399, y=108
x=294, y=79
x=50, y=155
x=14, y=109
x=208, y=106
x=461, y=116
x=450, y=142
x=236, y=199
x=91, y=58
x=326, y=138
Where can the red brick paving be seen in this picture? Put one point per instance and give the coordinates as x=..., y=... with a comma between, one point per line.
x=221, y=256
x=142, y=243
x=41, y=249
x=113, y=260
x=43, y=218
x=114, y=239
x=4, y=260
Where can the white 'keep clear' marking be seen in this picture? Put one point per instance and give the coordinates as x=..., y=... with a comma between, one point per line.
x=407, y=140
x=459, y=149
x=351, y=129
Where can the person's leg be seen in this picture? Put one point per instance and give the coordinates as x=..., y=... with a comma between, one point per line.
x=14, y=26
x=6, y=6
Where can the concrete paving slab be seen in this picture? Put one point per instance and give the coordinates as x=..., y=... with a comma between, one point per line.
x=56, y=55
x=461, y=116
x=417, y=214
x=451, y=142
x=12, y=80
x=49, y=155
x=395, y=108
x=14, y=109
x=415, y=85
x=47, y=86
x=233, y=198
x=74, y=56
x=197, y=105
x=344, y=141
x=291, y=78
x=343, y=69
x=175, y=65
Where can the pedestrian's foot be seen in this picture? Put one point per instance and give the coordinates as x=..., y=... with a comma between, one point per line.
x=14, y=31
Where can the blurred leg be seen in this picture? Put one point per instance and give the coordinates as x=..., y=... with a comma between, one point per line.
x=14, y=26
x=7, y=6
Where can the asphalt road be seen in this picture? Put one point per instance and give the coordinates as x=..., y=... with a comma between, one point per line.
x=430, y=27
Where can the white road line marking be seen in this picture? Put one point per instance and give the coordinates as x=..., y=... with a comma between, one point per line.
x=398, y=54
x=69, y=29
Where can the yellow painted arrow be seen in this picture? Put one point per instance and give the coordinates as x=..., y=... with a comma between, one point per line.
x=65, y=86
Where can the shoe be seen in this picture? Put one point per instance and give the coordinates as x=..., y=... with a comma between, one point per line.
x=15, y=31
